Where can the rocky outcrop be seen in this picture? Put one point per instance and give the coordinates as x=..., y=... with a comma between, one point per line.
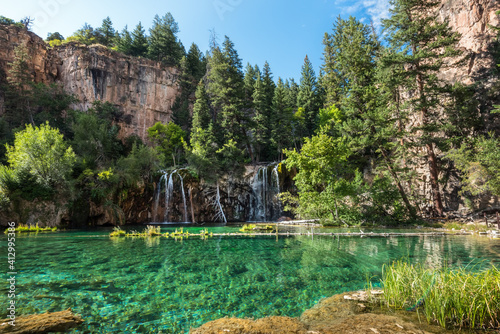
x=142, y=89
x=43, y=65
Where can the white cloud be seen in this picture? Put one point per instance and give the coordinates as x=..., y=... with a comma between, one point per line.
x=375, y=9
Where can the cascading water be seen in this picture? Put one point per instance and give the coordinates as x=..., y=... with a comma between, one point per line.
x=266, y=205
x=167, y=179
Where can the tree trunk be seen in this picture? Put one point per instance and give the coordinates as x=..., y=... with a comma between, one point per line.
x=431, y=156
x=409, y=207
x=433, y=170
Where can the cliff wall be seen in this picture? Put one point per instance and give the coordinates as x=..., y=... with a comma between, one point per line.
x=144, y=90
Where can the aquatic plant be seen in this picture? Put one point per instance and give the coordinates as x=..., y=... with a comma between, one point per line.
x=462, y=297
x=23, y=228
x=152, y=231
x=248, y=228
x=117, y=232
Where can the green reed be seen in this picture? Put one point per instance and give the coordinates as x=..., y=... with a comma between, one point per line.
x=461, y=298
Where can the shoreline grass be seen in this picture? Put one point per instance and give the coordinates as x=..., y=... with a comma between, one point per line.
x=452, y=298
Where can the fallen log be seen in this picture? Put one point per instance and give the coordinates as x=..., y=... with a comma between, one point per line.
x=41, y=323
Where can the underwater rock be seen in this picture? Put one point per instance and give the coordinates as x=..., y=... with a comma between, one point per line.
x=334, y=315
x=270, y=325
x=41, y=323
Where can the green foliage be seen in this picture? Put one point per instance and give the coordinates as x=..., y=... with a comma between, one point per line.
x=479, y=162
x=327, y=187
x=349, y=56
x=139, y=45
x=308, y=97
x=163, y=43
x=54, y=36
x=140, y=165
x=107, y=33
x=41, y=153
x=124, y=42
x=282, y=117
x=6, y=21
x=461, y=298
x=202, y=153
x=202, y=117
x=86, y=35
x=225, y=88
x=95, y=138
x=170, y=140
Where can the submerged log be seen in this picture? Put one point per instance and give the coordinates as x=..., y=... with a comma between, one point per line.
x=41, y=323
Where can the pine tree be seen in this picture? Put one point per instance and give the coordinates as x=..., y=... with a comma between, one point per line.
x=107, y=32
x=259, y=117
x=195, y=63
x=349, y=65
x=282, y=126
x=307, y=98
x=420, y=44
x=202, y=117
x=164, y=45
x=139, y=46
x=124, y=43
x=268, y=84
x=292, y=92
x=249, y=83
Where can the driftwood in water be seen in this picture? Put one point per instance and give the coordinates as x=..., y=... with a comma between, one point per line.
x=41, y=323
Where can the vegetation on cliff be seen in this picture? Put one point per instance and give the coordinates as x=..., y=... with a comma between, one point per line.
x=355, y=134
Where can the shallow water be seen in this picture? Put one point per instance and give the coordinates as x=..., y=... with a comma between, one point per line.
x=140, y=285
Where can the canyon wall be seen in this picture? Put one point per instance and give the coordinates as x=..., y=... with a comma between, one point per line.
x=142, y=89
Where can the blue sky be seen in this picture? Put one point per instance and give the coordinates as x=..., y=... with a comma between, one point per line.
x=281, y=32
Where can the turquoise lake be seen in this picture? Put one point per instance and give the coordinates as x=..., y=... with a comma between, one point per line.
x=136, y=285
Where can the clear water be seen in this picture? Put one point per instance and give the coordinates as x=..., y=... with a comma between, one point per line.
x=150, y=285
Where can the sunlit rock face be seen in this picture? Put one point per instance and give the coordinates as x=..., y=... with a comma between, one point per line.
x=472, y=19
x=143, y=90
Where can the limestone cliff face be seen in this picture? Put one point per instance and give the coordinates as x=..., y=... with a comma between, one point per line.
x=142, y=89
x=472, y=19
x=43, y=67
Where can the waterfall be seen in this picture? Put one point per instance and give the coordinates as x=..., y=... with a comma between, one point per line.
x=276, y=175
x=168, y=180
x=183, y=199
x=169, y=193
x=265, y=190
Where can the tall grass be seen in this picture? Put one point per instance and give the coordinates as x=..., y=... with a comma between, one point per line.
x=459, y=298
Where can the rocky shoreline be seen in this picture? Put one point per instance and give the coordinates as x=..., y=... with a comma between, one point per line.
x=346, y=313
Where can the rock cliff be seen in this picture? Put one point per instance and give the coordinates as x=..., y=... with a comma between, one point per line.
x=472, y=19
x=142, y=89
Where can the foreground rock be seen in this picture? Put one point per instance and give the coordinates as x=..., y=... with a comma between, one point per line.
x=42, y=323
x=340, y=314
x=271, y=325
